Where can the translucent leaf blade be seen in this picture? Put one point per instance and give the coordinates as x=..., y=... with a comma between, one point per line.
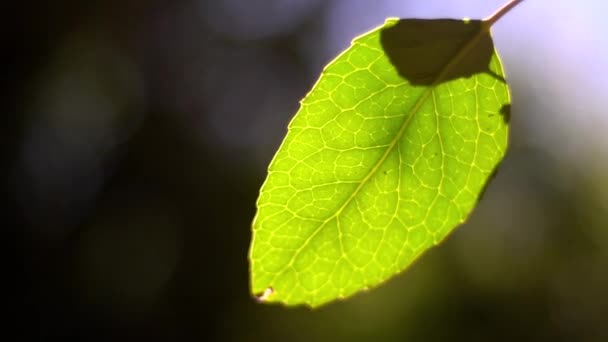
x=387, y=154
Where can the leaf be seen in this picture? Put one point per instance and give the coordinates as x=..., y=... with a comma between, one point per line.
x=388, y=153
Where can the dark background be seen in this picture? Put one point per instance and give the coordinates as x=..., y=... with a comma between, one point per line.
x=136, y=136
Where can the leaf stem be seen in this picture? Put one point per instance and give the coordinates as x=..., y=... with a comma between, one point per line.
x=494, y=17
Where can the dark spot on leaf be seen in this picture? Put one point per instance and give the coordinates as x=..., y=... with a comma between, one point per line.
x=420, y=49
x=505, y=111
x=385, y=172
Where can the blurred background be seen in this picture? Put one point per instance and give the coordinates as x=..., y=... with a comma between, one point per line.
x=137, y=134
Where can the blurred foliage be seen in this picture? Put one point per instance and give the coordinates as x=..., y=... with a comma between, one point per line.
x=137, y=138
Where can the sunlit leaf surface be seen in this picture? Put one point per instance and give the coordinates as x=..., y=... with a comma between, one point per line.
x=389, y=152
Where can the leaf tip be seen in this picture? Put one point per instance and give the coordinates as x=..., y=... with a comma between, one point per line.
x=265, y=295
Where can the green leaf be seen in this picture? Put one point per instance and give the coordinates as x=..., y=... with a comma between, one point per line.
x=389, y=152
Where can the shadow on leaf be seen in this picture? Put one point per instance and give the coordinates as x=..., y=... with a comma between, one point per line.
x=420, y=49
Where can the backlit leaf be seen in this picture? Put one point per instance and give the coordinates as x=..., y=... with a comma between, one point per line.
x=388, y=153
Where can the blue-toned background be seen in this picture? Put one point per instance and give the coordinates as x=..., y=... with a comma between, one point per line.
x=136, y=135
